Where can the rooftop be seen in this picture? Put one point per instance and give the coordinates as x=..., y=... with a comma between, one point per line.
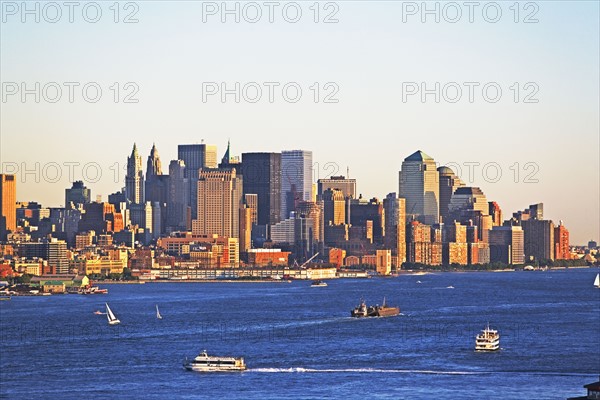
x=418, y=156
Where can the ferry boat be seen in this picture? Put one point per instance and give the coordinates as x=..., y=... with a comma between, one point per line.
x=318, y=284
x=487, y=340
x=362, y=310
x=205, y=363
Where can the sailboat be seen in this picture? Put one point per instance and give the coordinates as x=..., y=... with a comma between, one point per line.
x=597, y=281
x=112, y=320
x=158, y=316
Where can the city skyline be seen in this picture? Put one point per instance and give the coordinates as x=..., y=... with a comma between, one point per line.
x=215, y=149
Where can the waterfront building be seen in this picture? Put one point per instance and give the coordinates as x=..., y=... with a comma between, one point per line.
x=539, y=239
x=296, y=179
x=395, y=226
x=507, y=245
x=383, y=262
x=262, y=178
x=419, y=185
x=561, y=242
x=219, y=201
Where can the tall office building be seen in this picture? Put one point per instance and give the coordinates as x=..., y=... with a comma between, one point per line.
x=507, y=245
x=346, y=185
x=395, y=226
x=362, y=211
x=134, y=180
x=219, y=203
x=419, y=185
x=195, y=157
x=77, y=194
x=539, y=239
x=496, y=212
x=334, y=205
x=296, y=179
x=8, y=204
x=178, y=208
x=449, y=182
x=561, y=243
x=262, y=177
x=251, y=201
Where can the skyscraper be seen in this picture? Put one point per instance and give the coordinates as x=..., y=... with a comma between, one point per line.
x=296, y=179
x=219, y=203
x=496, y=212
x=178, y=198
x=507, y=245
x=449, y=182
x=561, y=242
x=539, y=239
x=262, y=177
x=419, y=185
x=134, y=180
x=157, y=191
x=346, y=185
x=395, y=226
x=77, y=194
x=8, y=204
x=195, y=157
x=334, y=205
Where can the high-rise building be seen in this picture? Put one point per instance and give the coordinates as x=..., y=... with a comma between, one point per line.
x=296, y=179
x=496, y=213
x=346, y=185
x=334, y=206
x=77, y=194
x=470, y=206
x=245, y=228
x=141, y=215
x=314, y=211
x=395, y=226
x=8, y=204
x=455, y=249
x=251, y=201
x=507, y=245
x=419, y=185
x=134, y=180
x=539, y=239
x=262, y=177
x=178, y=198
x=195, y=157
x=362, y=211
x=52, y=250
x=219, y=202
x=100, y=218
x=157, y=184
x=449, y=182
x=561, y=242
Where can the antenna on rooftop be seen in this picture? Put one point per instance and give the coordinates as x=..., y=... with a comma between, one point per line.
x=348, y=172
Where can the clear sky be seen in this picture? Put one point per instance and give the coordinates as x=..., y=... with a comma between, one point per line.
x=372, y=54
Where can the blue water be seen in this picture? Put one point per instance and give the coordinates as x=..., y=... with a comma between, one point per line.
x=299, y=342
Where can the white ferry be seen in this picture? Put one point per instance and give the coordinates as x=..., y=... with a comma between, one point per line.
x=205, y=363
x=487, y=340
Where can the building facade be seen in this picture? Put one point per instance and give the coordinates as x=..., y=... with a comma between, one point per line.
x=419, y=185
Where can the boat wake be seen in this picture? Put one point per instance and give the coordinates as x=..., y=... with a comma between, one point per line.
x=360, y=370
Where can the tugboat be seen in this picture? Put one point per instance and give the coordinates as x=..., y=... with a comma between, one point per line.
x=205, y=363
x=362, y=310
x=487, y=340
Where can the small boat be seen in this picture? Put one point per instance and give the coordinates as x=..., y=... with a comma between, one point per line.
x=205, y=363
x=112, y=320
x=158, y=316
x=318, y=284
x=362, y=310
x=98, y=312
x=597, y=281
x=419, y=282
x=450, y=287
x=487, y=340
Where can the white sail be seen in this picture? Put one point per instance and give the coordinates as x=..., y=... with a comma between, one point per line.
x=112, y=320
x=597, y=281
x=158, y=313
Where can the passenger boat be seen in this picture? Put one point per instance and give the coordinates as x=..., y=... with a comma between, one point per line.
x=205, y=363
x=487, y=340
x=318, y=284
x=362, y=310
x=597, y=281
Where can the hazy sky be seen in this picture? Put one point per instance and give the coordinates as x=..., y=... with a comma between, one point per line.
x=370, y=57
